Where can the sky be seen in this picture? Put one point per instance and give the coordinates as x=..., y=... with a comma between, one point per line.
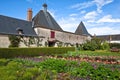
x=100, y=17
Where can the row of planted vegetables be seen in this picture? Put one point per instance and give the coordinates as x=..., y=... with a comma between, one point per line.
x=104, y=57
x=45, y=68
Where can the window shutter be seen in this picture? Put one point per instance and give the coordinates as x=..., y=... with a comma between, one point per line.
x=52, y=34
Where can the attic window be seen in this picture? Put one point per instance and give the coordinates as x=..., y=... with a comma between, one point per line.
x=19, y=31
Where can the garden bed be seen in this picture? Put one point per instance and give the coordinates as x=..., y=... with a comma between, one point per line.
x=82, y=65
x=56, y=69
x=105, y=60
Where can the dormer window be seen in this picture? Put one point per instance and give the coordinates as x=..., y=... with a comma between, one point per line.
x=19, y=31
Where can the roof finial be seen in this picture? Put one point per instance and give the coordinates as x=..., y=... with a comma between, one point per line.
x=45, y=7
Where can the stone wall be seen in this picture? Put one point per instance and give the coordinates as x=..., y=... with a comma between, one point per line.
x=4, y=41
x=65, y=37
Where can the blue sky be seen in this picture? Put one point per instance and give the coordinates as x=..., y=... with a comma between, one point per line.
x=101, y=17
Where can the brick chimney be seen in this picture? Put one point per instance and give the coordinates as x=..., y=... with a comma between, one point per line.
x=29, y=14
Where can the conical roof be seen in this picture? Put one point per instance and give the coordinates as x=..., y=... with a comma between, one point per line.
x=45, y=20
x=81, y=30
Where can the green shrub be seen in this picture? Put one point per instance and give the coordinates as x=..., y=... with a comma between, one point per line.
x=31, y=52
x=90, y=45
x=117, y=45
x=105, y=46
x=95, y=44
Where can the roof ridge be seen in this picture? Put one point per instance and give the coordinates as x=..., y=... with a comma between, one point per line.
x=14, y=18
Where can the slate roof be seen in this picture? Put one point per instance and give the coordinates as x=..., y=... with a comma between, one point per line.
x=115, y=37
x=81, y=30
x=10, y=25
x=45, y=20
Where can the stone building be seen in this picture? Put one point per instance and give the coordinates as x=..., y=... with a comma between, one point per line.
x=115, y=38
x=42, y=30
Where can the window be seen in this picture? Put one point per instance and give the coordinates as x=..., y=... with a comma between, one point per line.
x=20, y=31
x=52, y=34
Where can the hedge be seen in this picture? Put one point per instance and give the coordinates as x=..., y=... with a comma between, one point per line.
x=117, y=45
x=31, y=52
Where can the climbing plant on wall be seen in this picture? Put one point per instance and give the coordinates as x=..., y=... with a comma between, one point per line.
x=14, y=41
x=28, y=41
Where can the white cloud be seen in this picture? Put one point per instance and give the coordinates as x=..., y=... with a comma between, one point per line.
x=101, y=3
x=83, y=12
x=69, y=24
x=108, y=18
x=91, y=16
x=72, y=15
x=90, y=19
x=84, y=5
x=103, y=31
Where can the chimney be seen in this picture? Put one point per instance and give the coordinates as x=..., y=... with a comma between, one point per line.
x=29, y=14
x=45, y=7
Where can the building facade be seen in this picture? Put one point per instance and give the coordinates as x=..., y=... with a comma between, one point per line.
x=40, y=30
x=110, y=38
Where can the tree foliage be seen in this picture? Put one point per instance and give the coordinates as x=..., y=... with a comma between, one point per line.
x=105, y=46
x=95, y=44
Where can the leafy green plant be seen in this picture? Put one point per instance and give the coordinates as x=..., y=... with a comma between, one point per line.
x=93, y=44
x=100, y=53
x=90, y=45
x=105, y=46
x=3, y=62
x=55, y=69
x=27, y=76
x=14, y=41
